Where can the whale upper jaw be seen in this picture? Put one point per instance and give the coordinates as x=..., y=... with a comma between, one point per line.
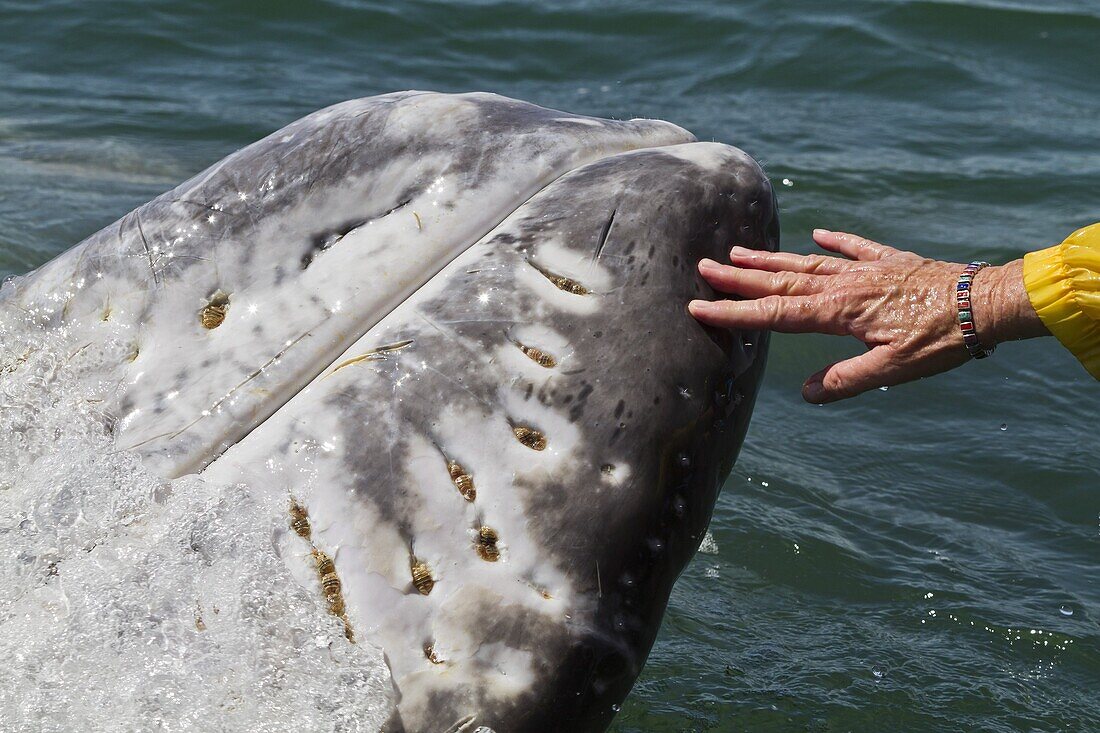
x=451, y=332
x=294, y=237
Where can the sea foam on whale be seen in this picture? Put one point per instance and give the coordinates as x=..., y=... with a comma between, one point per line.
x=128, y=602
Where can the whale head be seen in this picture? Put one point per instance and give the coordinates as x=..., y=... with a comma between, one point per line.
x=449, y=333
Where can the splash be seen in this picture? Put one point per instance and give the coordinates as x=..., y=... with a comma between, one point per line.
x=132, y=603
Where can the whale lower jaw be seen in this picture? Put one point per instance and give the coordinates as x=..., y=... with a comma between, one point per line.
x=450, y=332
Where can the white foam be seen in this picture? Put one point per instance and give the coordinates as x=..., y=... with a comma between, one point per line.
x=132, y=603
x=708, y=546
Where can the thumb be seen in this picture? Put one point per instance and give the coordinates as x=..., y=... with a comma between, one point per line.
x=850, y=377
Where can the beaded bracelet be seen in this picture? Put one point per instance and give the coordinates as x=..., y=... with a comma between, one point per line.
x=966, y=314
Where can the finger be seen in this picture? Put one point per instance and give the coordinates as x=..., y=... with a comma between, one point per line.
x=850, y=377
x=786, y=314
x=851, y=245
x=787, y=261
x=758, y=283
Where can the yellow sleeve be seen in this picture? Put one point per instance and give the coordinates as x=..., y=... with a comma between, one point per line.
x=1063, y=283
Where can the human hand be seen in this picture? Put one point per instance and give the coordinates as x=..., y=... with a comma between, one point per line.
x=899, y=304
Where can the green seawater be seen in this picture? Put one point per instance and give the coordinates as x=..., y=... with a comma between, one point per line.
x=920, y=559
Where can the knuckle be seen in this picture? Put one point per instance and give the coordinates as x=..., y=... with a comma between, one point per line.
x=771, y=306
x=837, y=381
x=790, y=282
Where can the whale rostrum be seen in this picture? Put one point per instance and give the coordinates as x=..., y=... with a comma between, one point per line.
x=451, y=331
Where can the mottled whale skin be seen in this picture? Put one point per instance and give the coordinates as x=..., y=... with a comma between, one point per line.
x=311, y=234
x=506, y=430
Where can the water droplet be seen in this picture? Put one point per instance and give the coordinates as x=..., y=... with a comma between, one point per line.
x=1004, y=426
x=1065, y=610
x=788, y=182
x=883, y=389
x=616, y=707
x=685, y=460
x=879, y=671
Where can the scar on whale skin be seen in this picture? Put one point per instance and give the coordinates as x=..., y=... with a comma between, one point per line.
x=604, y=233
x=327, y=239
x=372, y=355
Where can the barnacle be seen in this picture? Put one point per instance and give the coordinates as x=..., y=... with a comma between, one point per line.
x=422, y=576
x=538, y=356
x=331, y=589
x=561, y=282
x=213, y=313
x=486, y=545
x=530, y=437
x=429, y=652
x=462, y=480
x=299, y=520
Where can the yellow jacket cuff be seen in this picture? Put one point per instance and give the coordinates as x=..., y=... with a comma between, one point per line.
x=1063, y=284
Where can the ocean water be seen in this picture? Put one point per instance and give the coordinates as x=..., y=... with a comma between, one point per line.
x=921, y=559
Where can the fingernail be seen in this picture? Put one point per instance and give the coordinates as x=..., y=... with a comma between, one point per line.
x=699, y=306
x=821, y=232
x=740, y=251
x=813, y=391
x=708, y=264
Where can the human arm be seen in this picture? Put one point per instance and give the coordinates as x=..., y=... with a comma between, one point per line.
x=900, y=305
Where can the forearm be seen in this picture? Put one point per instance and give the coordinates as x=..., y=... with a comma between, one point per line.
x=1002, y=308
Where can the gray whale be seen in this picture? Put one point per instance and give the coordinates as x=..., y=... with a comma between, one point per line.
x=451, y=331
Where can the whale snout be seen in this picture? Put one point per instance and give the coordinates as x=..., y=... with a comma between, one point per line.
x=449, y=335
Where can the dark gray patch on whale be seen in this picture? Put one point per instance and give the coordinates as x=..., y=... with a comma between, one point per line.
x=622, y=546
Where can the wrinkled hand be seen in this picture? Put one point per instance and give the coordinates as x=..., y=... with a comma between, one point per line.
x=900, y=305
